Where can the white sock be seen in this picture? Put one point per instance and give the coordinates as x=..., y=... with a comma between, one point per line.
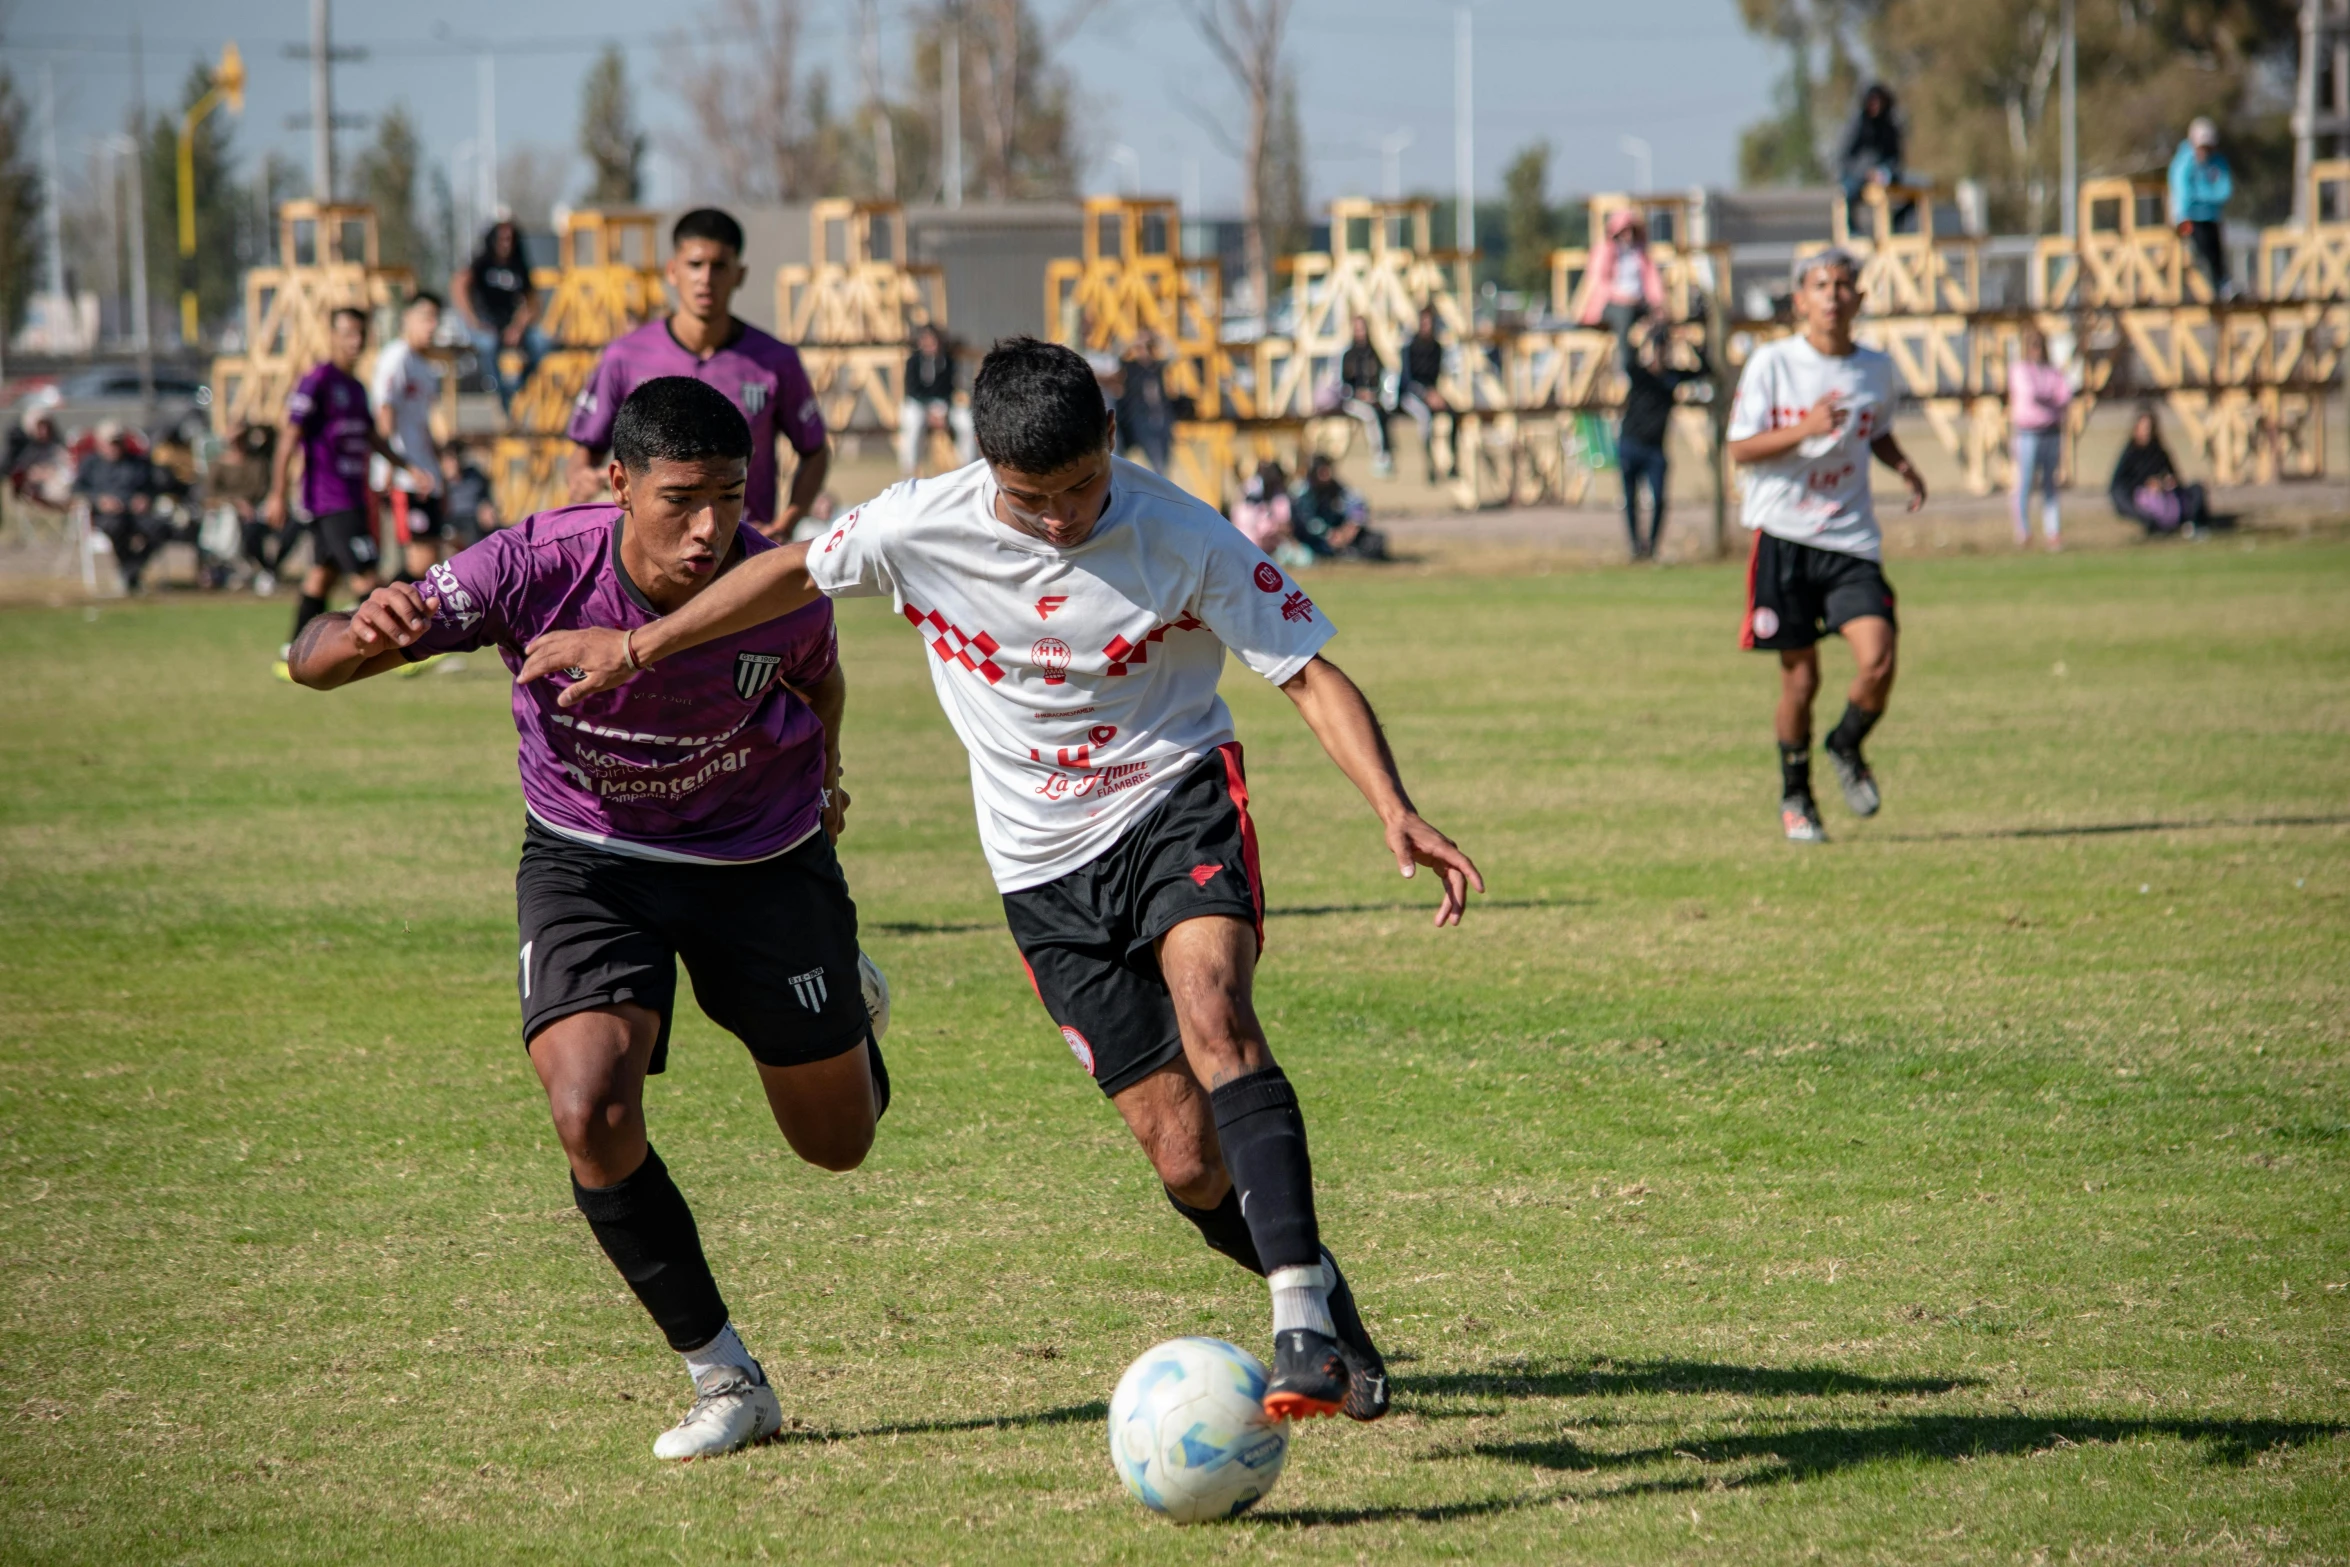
x=2048, y=521
x=724, y=1350
x=1301, y=1299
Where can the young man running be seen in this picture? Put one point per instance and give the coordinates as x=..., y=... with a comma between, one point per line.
x=760, y=376
x=328, y=421
x=1810, y=412
x=1079, y=607
x=406, y=385
x=690, y=815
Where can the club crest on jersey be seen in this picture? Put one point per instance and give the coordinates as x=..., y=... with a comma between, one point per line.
x=754, y=673
x=809, y=987
x=754, y=397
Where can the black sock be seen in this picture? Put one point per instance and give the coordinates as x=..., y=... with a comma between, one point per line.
x=1795, y=770
x=647, y=1230
x=1264, y=1140
x=306, y=610
x=1223, y=1228
x=1852, y=729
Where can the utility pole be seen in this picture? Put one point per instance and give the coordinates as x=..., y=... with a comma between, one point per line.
x=2069, y=111
x=1391, y=151
x=950, y=105
x=1464, y=132
x=485, y=82
x=228, y=86
x=321, y=120
x=885, y=143
x=2325, y=48
x=52, y=222
x=142, y=339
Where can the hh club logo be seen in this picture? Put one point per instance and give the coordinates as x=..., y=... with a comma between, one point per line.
x=1766, y=621
x=1051, y=655
x=754, y=397
x=1050, y=602
x=754, y=673
x=809, y=987
x=1079, y=1046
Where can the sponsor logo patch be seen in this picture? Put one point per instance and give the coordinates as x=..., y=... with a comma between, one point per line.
x=1297, y=607
x=1051, y=655
x=1268, y=577
x=1079, y=1048
x=754, y=397
x=754, y=673
x=810, y=989
x=1203, y=874
x=1050, y=602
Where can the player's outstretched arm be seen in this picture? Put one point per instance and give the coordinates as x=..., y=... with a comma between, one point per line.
x=334, y=650
x=766, y=587
x=1888, y=451
x=1340, y=716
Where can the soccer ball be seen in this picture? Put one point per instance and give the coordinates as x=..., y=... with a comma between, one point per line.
x=876, y=988
x=1188, y=1432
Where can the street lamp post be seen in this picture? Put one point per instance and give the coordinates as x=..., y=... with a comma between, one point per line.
x=228, y=86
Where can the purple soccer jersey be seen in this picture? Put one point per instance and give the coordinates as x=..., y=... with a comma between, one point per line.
x=705, y=757
x=329, y=407
x=762, y=377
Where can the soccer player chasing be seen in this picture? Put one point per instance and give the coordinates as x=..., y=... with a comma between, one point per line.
x=1810, y=412
x=702, y=339
x=1078, y=608
x=690, y=815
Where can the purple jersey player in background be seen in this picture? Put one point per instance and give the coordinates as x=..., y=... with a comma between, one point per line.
x=759, y=375
x=689, y=816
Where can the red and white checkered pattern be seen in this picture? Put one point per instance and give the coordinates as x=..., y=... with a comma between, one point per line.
x=954, y=646
x=1122, y=653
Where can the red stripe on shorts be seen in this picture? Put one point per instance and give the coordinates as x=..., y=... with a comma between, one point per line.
x=1746, y=626
x=1236, y=785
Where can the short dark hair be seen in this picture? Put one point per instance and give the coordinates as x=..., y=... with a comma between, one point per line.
x=354, y=312
x=711, y=224
x=1036, y=407
x=675, y=418
x=425, y=296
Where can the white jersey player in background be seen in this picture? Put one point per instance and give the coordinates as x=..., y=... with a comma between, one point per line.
x=405, y=386
x=1077, y=609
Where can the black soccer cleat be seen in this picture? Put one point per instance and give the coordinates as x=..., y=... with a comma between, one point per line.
x=1309, y=1376
x=1366, y=1368
x=1858, y=783
x=1799, y=818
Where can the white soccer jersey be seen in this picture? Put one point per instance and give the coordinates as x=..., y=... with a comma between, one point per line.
x=1818, y=492
x=408, y=384
x=1082, y=681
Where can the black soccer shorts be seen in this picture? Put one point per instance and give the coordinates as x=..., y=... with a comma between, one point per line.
x=771, y=946
x=1797, y=593
x=1089, y=938
x=345, y=541
x=416, y=518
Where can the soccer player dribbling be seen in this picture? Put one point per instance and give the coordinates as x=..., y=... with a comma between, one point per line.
x=1078, y=608
x=689, y=815
x=702, y=339
x=1811, y=411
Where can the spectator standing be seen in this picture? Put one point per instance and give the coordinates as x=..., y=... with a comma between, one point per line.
x=1625, y=284
x=118, y=482
x=468, y=505
x=1871, y=155
x=2200, y=185
x=1330, y=519
x=1143, y=417
x=1362, y=385
x=1640, y=437
x=2037, y=396
x=501, y=308
x=406, y=387
x=2146, y=488
x=1417, y=393
x=929, y=402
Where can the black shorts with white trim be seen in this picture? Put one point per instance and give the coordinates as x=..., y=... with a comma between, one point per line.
x=771, y=946
x=1089, y=939
x=1798, y=593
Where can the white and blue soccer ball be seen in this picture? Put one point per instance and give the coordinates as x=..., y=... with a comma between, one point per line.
x=1188, y=1432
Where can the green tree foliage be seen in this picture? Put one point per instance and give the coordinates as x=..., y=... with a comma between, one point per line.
x=1825, y=44
x=609, y=137
x=219, y=195
x=20, y=208
x=1530, y=227
x=386, y=177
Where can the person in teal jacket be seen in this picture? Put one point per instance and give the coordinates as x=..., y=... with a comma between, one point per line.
x=2200, y=185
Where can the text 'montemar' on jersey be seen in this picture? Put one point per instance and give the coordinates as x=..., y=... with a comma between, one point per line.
x=708, y=756
x=1082, y=681
x=1816, y=493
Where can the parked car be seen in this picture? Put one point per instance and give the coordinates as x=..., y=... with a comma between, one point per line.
x=79, y=399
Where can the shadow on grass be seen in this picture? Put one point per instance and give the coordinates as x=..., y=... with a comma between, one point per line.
x=1611, y=1378
x=2110, y=829
x=1311, y=910
x=1067, y=1414
x=928, y=927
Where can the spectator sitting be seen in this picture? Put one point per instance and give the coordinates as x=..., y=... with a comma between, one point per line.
x=1144, y=419
x=1872, y=156
x=1362, y=378
x=240, y=479
x=37, y=465
x=1640, y=436
x=929, y=402
x=1262, y=515
x=1330, y=519
x=2200, y=184
x=472, y=509
x=1624, y=282
x=501, y=308
x=118, y=482
x=2146, y=488
x=1416, y=391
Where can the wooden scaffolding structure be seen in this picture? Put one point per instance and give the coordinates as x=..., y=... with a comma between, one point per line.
x=852, y=311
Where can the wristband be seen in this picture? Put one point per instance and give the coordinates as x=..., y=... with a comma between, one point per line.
x=627, y=653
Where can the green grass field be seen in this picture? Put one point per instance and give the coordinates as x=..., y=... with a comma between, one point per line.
x=1972, y=1189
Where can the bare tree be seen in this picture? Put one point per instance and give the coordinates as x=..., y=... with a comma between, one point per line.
x=877, y=118
x=745, y=97
x=1247, y=37
x=1017, y=104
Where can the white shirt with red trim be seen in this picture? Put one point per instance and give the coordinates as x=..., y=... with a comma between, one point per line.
x=1816, y=493
x=1081, y=681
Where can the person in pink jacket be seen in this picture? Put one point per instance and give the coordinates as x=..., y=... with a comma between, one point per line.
x=2037, y=394
x=1623, y=284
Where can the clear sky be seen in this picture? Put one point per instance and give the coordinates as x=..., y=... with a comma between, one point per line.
x=1681, y=74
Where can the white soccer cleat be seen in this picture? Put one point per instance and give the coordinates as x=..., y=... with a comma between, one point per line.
x=730, y=1411
x=876, y=989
